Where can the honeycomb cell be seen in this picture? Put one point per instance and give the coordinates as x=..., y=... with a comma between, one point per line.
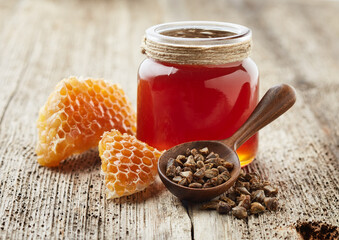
x=118, y=146
x=147, y=161
x=135, y=168
x=138, y=153
x=126, y=152
x=76, y=115
x=112, y=169
x=132, y=174
x=123, y=167
x=61, y=134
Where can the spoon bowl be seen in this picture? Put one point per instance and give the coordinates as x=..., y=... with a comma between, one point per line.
x=274, y=103
x=199, y=194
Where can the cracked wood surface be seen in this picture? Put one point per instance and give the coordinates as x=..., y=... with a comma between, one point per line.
x=42, y=42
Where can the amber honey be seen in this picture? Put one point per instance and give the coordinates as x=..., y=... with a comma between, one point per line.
x=187, y=102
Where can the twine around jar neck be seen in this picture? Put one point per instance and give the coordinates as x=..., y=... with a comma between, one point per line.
x=194, y=46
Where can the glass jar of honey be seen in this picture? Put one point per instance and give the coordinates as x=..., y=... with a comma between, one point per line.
x=197, y=83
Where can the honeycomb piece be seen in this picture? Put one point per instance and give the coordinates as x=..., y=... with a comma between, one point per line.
x=129, y=165
x=76, y=115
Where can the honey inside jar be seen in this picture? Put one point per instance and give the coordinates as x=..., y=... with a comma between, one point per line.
x=187, y=102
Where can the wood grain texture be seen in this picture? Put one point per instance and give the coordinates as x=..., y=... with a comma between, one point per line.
x=42, y=42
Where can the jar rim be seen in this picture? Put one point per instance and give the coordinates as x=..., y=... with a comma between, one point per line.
x=240, y=33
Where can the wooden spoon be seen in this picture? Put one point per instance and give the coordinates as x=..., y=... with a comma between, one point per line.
x=275, y=102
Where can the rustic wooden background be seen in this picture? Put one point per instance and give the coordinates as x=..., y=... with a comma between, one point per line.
x=41, y=42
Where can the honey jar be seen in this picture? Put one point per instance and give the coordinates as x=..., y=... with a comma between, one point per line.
x=196, y=83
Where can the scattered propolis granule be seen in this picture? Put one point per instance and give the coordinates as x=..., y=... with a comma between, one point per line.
x=76, y=115
x=317, y=231
x=129, y=165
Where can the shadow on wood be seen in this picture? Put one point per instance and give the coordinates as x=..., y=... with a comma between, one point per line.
x=152, y=191
x=80, y=163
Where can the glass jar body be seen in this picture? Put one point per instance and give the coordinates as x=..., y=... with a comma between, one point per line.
x=179, y=103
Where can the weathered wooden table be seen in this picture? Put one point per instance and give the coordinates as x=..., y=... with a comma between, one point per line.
x=41, y=42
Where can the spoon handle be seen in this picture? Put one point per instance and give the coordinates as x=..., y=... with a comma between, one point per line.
x=274, y=103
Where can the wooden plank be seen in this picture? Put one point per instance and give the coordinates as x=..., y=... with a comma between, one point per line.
x=303, y=176
x=45, y=41
x=13, y=31
x=69, y=202
x=7, y=11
